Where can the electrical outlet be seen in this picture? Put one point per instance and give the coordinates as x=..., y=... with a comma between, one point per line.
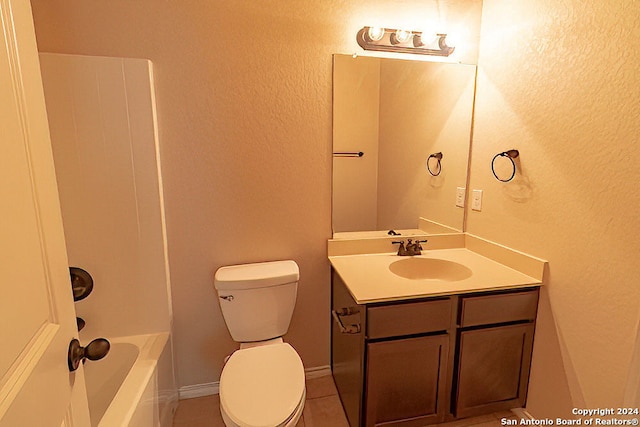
x=476, y=200
x=460, y=193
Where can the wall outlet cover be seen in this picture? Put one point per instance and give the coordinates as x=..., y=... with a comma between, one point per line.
x=460, y=193
x=476, y=200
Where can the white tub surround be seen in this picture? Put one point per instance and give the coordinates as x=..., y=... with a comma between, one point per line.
x=104, y=136
x=106, y=151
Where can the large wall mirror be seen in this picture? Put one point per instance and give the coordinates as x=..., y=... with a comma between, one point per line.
x=389, y=117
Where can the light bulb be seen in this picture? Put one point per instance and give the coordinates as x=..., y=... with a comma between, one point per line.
x=451, y=40
x=424, y=40
x=375, y=33
x=403, y=36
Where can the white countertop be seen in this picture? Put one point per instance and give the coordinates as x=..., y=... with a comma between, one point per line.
x=369, y=279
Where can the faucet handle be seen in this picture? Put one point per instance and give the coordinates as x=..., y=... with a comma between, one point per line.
x=401, y=250
x=418, y=247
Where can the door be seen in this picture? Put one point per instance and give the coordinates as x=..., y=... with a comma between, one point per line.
x=37, y=316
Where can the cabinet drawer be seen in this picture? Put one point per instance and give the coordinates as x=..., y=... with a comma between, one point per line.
x=408, y=319
x=501, y=308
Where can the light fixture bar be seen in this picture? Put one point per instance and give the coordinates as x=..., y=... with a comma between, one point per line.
x=402, y=41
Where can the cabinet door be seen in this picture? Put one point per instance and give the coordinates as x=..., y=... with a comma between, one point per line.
x=493, y=369
x=405, y=381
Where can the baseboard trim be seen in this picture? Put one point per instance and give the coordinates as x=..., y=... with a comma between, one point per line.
x=522, y=413
x=199, y=390
x=208, y=389
x=317, y=372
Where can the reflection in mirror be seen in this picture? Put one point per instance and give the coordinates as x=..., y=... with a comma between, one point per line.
x=399, y=113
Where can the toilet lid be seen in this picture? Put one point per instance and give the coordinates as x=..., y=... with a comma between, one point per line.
x=262, y=386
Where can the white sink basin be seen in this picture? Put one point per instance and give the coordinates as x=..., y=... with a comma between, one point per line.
x=429, y=268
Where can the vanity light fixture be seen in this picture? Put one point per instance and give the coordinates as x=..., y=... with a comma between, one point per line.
x=403, y=41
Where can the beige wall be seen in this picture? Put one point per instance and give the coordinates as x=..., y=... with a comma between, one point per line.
x=244, y=108
x=559, y=81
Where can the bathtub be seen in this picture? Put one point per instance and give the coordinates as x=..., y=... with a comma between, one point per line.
x=133, y=385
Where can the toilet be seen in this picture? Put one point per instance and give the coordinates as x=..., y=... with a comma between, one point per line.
x=263, y=383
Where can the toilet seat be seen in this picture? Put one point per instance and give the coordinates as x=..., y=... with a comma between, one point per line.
x=262, y=386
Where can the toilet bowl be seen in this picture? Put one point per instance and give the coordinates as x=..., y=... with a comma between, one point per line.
x=263, y=383
x=263, y=386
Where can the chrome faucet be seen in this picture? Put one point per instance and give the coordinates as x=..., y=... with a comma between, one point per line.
x=412, y=248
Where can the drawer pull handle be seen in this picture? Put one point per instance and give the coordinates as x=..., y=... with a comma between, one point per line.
x=351, y=329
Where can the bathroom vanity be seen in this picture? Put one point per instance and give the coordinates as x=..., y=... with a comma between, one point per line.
x=435, y=347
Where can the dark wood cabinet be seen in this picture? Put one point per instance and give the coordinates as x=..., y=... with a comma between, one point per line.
x=426, y=361
x=390, y=361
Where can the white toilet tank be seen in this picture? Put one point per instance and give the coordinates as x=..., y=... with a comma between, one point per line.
x=257, y=300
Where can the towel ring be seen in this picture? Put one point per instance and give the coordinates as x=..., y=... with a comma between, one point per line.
x=438, y=157
x=511, y=155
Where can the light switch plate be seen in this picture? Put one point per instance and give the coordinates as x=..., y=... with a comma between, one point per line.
x=460, y=197
x=476, y=200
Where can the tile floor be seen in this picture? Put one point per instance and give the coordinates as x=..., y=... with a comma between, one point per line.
x=322, y=409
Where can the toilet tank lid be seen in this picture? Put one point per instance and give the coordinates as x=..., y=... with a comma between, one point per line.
x=257, y=275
